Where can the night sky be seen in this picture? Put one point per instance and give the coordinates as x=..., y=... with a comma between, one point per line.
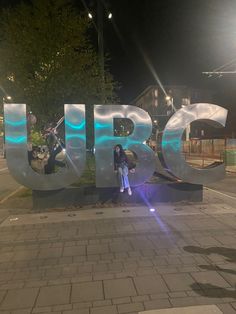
x=180, y=39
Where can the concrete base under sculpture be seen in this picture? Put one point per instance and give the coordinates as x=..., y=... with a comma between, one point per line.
x=144, y=194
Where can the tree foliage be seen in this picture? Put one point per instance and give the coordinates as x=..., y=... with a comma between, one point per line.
x=36, y=138
x=47, y=59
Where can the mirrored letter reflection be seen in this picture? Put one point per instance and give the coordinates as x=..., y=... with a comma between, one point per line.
x=172, y=142
x=105, y=141
x=17, y=148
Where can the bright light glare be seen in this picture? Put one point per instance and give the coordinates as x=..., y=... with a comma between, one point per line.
x=168, y=98
x=110, y=15
x=14, y=219
x=64, y=150
x=152, y=210
x=8, y=97
x=90, y=15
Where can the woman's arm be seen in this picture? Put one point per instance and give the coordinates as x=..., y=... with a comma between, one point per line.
x=115, y=162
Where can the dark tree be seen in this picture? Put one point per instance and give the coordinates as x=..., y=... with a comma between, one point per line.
x=47, y=59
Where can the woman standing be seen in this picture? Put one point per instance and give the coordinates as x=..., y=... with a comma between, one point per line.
x=121, y=167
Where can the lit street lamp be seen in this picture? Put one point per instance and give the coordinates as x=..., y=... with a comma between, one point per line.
x=169, y=101
x=7, y=97
x=99, y=28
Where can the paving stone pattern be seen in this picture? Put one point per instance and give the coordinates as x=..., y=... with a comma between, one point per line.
x=180, y=256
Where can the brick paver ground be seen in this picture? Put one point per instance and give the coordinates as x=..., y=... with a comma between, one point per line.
x=182, y=255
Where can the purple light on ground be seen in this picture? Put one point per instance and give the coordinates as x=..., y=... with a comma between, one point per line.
x=160, y=222
x=170, y=237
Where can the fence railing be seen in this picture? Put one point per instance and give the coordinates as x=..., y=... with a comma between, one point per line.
x=204, y=152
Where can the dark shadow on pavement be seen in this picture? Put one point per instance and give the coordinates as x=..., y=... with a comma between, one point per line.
x=212, y=291
x=217, y=268
x=228, y=253
x=209, y=290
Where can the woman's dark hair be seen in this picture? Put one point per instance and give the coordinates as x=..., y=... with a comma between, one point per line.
x=120, y=158
x=122, y=152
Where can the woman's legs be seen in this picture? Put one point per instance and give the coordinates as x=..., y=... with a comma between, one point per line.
x=123, y=179
x=120, y=178
x=125, y=172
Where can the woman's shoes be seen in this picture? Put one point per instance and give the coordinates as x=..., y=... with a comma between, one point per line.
x=129, y=191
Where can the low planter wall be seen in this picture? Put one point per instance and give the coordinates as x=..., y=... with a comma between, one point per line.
x=144, y=194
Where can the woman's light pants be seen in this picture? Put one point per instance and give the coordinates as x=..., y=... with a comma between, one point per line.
x=123, y=177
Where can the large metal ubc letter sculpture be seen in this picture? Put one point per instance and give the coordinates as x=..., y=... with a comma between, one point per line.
x=105, y=141
x=172, y=141
x=17, y=153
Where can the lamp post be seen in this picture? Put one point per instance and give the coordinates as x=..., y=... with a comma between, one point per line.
x=5, y=98
x=186, y=102
x=100, y=37
x=169, y=102
x=99, y=27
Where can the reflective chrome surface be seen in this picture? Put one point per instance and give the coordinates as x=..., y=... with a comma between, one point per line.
x=17, y=154
x=105, y=141
x=172, y=142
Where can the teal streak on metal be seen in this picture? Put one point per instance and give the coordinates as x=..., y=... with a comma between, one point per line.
x=175, y=144
x=116, y=140
x=75, y=126
x=16, y=139
x=172, y=140
x=15, y=123
x=102, y=125
x=73, y=136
